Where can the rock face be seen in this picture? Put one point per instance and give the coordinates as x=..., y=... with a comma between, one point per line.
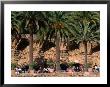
x=75, y=55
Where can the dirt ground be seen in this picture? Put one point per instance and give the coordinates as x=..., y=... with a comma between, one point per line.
x=56, y=74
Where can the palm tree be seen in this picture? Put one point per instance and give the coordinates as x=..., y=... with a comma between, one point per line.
x=57, y=29
x=27, y=21
x=15, y=26
x=85, y=29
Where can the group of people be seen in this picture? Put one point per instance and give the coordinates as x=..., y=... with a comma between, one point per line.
x=42, y=67
x=77, y=67
x=21, y=69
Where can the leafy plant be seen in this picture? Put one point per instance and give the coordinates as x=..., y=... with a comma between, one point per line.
x=50, y=63
x=32, y=65
x=86, y=28
x=13, y=66
x=89, y=65
x=71, y=64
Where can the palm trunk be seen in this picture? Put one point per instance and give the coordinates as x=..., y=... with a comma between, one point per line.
x=57, y=52
x=68, y=43
x=31, y=49
x=90, y=49
x=85, y=51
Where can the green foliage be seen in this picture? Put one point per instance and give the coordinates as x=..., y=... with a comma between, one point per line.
x=89, y=65
x=32, y=65
x=78, y=26
x=57, y=21
x=71, y=64
x=24, y=21
x=13, y=66
x=50, y=63
x=86, y=26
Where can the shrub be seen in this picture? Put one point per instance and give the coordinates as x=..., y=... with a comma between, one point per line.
x=32, y=65
x=50, y=63
x=13, y=66
x=70, y=64
x=89, y=65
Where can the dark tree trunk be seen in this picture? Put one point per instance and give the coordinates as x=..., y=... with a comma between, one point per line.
x=68, y=43
x=57, y=52
x=85, y=51
x=31, y=49
x=90, y=52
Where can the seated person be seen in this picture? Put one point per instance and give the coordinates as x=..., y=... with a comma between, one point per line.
x=45, y=63
x=51, y=69
x=45, y=70
x=95, y=68
x=18, y=70
x=81, y=67
x=77, y=67
x=63, y=66
x=40, y=63
x=25, y=68
x=98, y=69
